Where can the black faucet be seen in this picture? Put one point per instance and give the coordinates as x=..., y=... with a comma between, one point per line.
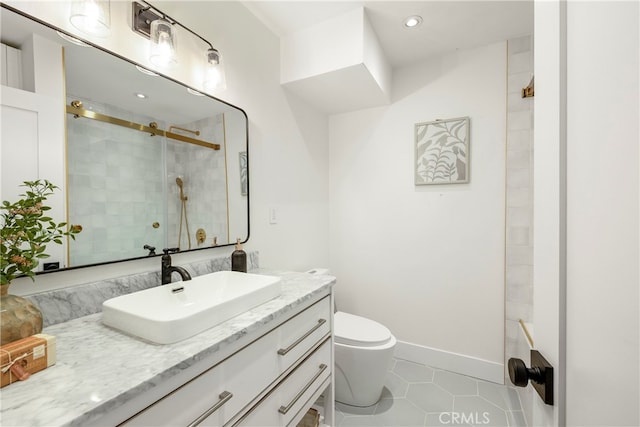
x=168, y=269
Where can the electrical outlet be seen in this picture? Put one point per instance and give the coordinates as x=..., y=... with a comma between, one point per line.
x=48, y=266
x=273, y=216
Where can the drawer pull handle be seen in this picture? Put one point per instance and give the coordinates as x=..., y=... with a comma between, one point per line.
x=284, y=351
x=224, y=398
x=284, y=409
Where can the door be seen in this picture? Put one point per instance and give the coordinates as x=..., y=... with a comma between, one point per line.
x=587, y=211
x=549, y=203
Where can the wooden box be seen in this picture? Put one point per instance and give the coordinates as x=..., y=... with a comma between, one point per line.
x=21, y=358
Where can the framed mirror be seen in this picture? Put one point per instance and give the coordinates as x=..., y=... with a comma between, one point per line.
x=143, y=162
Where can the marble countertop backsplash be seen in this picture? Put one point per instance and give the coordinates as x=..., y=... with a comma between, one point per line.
x=99, y=369
x=62, y=305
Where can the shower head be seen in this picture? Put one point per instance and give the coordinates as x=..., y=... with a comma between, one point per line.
x=180, y=183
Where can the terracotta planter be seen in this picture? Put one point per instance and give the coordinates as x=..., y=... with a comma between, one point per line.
x=20, y=318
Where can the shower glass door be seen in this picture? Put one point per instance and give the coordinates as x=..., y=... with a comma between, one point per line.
x=115, y=190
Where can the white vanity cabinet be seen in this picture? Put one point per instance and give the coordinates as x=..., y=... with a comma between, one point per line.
x=290, y=399
x=272, y=380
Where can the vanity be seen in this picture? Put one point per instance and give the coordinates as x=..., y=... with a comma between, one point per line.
x=264, y=367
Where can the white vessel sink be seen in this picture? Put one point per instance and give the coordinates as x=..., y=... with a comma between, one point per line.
x=179, y=310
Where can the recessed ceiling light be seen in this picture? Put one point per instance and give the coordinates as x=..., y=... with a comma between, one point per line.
x=413, y=21
x=140, y=95
x=145, y=71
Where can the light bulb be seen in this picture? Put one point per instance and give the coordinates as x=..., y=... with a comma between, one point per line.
x=163, y=43
x=214, y=78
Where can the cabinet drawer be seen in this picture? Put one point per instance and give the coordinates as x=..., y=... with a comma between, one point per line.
x=293, y=395
x=220, y=393
x=217, y=394
x=296, y=336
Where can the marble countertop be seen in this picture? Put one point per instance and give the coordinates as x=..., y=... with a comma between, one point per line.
x=98, y=368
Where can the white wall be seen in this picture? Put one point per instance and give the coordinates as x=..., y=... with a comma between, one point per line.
x=353, y=77
x=32, y=142
x=321, y=39
x=603, y=362
x=288, y=140
x=426, y=261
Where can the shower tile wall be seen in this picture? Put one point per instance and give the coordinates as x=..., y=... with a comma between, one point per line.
x=121, y=166
x=519, y=232
x=204, y=182
x=108, y=162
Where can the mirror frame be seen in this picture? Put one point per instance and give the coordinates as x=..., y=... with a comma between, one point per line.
x=120, y=57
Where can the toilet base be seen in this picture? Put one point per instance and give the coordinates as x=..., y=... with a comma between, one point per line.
x=361, y=372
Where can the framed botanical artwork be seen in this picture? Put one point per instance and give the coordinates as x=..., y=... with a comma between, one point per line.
x=442, y=151
x=244, y=183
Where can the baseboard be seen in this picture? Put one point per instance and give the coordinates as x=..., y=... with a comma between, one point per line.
x=454, y=362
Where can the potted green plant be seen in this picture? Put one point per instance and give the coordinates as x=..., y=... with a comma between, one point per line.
x=26, y=231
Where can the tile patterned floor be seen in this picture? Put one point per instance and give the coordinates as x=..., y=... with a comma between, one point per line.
x=417, y=395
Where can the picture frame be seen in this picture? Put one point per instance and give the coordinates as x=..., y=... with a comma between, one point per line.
x=442, y=151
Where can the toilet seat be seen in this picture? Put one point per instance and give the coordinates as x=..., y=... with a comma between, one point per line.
x=358, y=331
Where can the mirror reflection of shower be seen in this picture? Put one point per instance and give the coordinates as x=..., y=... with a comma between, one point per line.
x=158, y=210
x=183, y=213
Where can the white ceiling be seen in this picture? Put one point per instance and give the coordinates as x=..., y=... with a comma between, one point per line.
x=448, y=25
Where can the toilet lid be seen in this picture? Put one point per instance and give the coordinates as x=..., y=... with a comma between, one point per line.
x=354, y=330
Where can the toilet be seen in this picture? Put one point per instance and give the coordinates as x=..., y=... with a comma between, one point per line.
x=363, y=352
x=363, y=349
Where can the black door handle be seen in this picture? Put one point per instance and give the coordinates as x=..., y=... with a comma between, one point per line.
x=540, y=374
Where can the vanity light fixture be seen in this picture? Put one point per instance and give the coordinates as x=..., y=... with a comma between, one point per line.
x=214, y=72
x=161, y=32
x=92, y=17
x=160, y=29
x=163, y=43
x=413, y=21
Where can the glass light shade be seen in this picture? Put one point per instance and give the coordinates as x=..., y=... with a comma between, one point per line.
x=214, y=78
x=92, y=17
x=163, y=43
